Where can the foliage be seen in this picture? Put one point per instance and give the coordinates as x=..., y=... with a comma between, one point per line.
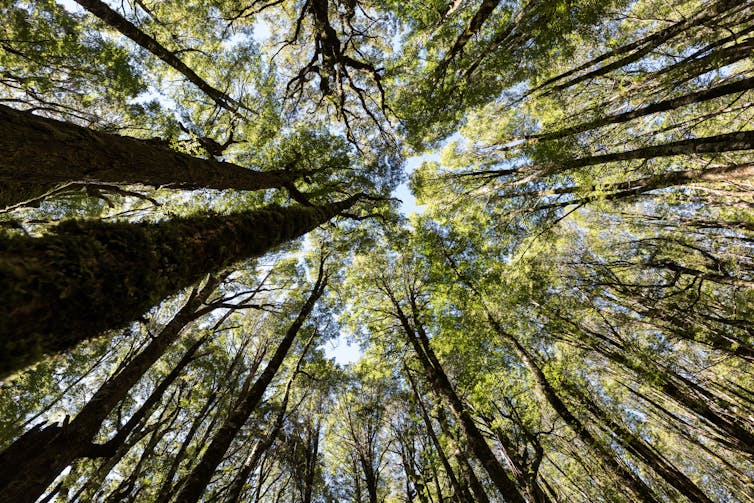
x=571, y=318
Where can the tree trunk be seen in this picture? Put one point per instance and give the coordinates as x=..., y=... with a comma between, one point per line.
x=635, y=445
x=312, y=456
x=636, y=50
x=631, y=482
x=118, y=22
x=88, y=276
x=460, y=493
x=737, y=86
x=41, y=151
x=200, y=476
x=33, y=461
x=481, y=15
x=236, y=487
x=444, y=388
x=728, y=142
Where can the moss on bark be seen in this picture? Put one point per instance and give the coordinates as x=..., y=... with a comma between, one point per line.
x=89, y=276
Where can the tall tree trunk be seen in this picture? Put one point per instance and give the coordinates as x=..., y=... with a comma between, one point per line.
x=236, y=487
x=631, y=482
x=118, y=22
x=89, y=276
x=701, y=96
x=200, y=476
x=312, y=456
x=635, y=445
x=41, y=151
x=440, y=382
x=481, y=15
x=33, y=461
x=460, y=493
x=636, y=50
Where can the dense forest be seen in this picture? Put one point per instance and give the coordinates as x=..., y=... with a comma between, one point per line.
x=200, y=199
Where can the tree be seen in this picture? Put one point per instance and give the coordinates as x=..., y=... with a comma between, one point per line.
x=189, y=248
x=570, y=317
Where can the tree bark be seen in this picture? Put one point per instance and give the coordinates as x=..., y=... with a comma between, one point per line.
x=33, y=461
x=729, y=142
x=39, y=151
x=636, y=50
x=444, y=388
x=701, y=96
x=433, y=437
x=631, y=482
x=200, y=476
x=635, y=445
x=86, y=277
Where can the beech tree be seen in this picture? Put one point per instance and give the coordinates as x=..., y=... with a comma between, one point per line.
x=198, y=202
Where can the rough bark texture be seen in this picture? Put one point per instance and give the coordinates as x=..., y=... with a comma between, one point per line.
x=33, y=461
x=86, y=277
x=41, y=151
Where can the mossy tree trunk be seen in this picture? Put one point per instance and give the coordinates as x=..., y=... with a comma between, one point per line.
x=90, y=276
x=41, y=151
x=33, y=461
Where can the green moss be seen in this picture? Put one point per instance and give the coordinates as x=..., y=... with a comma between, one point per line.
x=89, y=276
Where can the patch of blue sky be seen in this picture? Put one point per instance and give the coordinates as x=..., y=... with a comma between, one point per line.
x=70, y=6
x=343, y=350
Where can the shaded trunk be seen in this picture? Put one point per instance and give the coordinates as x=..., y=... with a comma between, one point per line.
x=737, y=86
x=236, y=487
x=39, y=151
x=310, y=472
x=477, y=489
x=442, y=386
x=89, y=276
x=460, y=493
x=631, y=482
x=636, y=446
x=636, y=50
x=33, y=461
x=370, y=479
x=200, y=476
x=472, y=29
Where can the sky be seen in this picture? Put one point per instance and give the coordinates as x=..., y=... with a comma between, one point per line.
x=339, y=348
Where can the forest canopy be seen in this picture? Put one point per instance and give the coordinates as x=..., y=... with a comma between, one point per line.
x=200, y=200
